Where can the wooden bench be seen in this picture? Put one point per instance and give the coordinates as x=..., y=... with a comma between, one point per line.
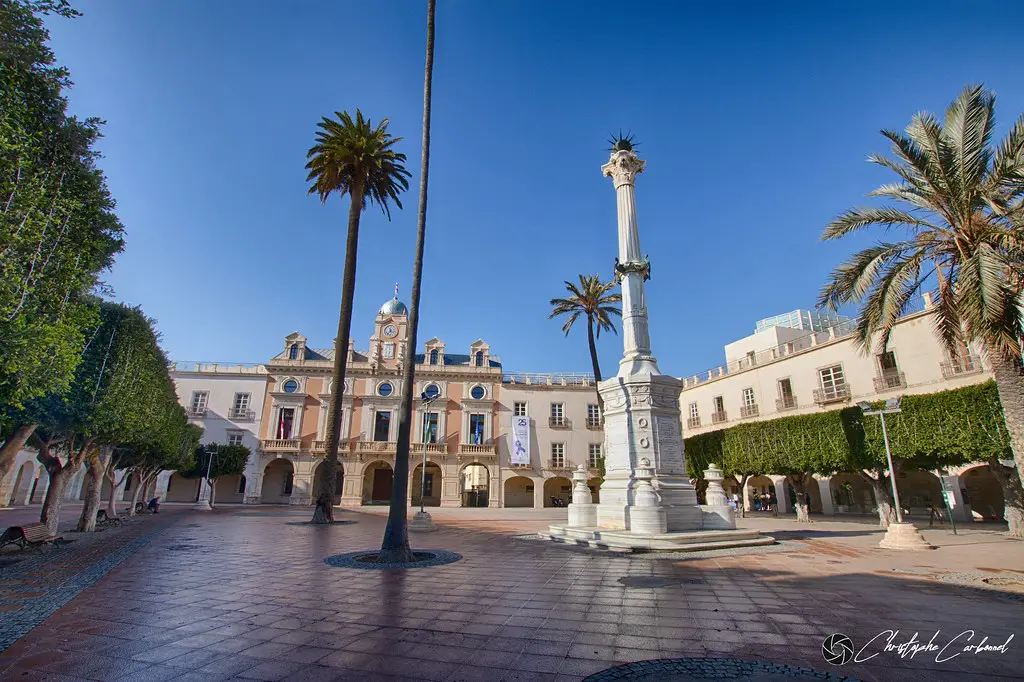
x=29, y=535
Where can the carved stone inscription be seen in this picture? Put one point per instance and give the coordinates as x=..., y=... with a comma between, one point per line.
x=670, y=445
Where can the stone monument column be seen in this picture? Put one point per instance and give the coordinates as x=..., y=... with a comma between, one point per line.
x=641, y=404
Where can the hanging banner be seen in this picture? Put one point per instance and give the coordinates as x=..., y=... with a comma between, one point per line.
x=520, y=440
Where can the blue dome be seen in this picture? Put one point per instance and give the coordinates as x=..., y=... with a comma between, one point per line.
x=393, y=307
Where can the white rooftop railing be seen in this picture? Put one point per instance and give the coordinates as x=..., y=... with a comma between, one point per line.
x=549, y=379
x=219, y=367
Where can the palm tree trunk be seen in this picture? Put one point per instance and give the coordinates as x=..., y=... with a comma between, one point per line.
x=1010, y=385
x=593, y=360
x=1013, y=497
x=324, y=511
x=395, y=545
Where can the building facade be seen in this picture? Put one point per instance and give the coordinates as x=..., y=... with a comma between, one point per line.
x=781, y=371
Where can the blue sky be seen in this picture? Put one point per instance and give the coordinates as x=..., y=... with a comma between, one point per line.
x=755, y=121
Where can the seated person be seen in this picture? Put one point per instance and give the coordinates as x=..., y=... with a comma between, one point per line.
x=154, y=505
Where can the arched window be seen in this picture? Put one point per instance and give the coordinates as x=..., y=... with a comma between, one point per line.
x=434, y=356
x=479, y=358
x=241, y=485
x=293, y=352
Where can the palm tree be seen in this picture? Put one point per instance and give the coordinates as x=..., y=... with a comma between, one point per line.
x=590, y=298
x=351, y=157
x=960, y=202
x=395, y=545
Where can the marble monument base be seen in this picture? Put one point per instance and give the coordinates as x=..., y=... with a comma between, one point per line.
x=903, y=536
x=624, y=540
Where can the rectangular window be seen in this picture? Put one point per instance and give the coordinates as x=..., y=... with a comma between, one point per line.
x=285, y=421
x=241, y=402
x=785, y=388
x=235, y=438
x=694, y=411
x=199, y=400
x=557, y=455
x=593, y=414
x=519, y=409
x=748, y=397
x=557, y=414
x=832, y=378
x=718, y=410
x=887, y=362
x=389, y=350
x=718, y=403
x=594, y=454
x=381, y=426
x=476, y=429
x=430, y=421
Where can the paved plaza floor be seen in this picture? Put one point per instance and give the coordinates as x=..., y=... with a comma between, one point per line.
x=244, y=593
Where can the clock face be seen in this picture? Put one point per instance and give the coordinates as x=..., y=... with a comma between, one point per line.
x=390, y=331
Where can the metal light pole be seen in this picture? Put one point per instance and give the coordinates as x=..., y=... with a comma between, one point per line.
x=899, y=535
x=204, y=504
x=421, y=521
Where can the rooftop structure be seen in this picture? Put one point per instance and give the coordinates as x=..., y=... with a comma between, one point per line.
x=811, y=320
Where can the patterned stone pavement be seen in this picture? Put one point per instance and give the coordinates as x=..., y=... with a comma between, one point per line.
x=238, y=594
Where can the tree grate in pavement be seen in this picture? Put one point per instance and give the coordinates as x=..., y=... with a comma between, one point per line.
x=366, y=559
x=692, y=669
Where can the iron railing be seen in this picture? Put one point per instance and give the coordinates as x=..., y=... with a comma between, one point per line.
x=748, y=411
x=970, y=364
x=890, y=380
x=718, y=417
x=786, y=402
x=832, y=394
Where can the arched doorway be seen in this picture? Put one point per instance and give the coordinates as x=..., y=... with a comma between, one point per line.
x=984, y=493
x=475, y=482
x=278, y=477
x=22, y=484
x=919, y=490
x=181, y=489
x=559, y=488
x=759, y=491
x=339, y=481
x=519, y=492
x=595, y=489
x=811, y=488
x=230, y=490
x=851, y=494
x=431, y=487
x=377, y=480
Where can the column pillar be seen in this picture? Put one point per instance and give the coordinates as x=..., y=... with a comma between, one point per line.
x=825, y=490
x=781, y=494
x=538, y=493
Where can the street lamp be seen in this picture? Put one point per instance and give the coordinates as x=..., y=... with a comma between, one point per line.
x=204, y=503
x=899, y=535
x=422, y=521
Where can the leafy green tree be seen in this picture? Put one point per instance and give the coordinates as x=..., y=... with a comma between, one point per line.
x=591, y=298
x=395, y=544
x=170, y=447
x=222, y=460
x=960, y=201
x=58, y=229
x=357, y=158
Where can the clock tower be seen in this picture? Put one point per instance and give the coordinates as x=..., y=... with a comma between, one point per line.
x=390, y=329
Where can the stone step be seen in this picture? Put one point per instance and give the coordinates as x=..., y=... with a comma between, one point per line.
x=674, y=542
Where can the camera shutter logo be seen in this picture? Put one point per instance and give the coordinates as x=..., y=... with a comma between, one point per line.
x=837, y=649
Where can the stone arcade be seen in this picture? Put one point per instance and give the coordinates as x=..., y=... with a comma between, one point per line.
x=646, y=498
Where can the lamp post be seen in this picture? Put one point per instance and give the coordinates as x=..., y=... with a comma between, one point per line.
x=422, y=521
x=203, y=504
x=899, y=535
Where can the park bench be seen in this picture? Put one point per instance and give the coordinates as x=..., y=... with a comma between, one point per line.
x=103, y=520
x=29, y=535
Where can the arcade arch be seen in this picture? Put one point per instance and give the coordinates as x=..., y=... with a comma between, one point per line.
x=432, y=488
x=557, y=487
x=518, y=492
x=475, y=485
x=377, y=480
x=278, y=478
x=339, y=481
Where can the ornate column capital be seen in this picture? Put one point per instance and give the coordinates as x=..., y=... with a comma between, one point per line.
x=623, y=167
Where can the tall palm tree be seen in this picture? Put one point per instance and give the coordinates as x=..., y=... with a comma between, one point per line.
x=357, y=158
x=960, y=202
x=395, y=546
x=590, y=298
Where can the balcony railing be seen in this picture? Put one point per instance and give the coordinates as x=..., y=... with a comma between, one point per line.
x=477, y=450
x=558, y=422
x=832, y=394
x=197, y=412
x=432, y=448
x=787, y=402
x=692, y=422
x=889, y=380
x=595, y=423
x=748, y=411
x=718, y=417
x=557, y=464
x=968, y=365
x=281, y=445
x=377, y=445
x=243, y=415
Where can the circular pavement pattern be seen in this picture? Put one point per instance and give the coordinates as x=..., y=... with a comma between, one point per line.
x=366, y=559
x=687, y=669
x=310, y=523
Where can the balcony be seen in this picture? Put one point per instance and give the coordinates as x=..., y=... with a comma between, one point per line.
x=961, y=367
x=889, y=380
x=718, y=417
x=197, y=412
x=432, y=449
x=558, y=422
x=558, y=465
x=832, y=394
x=748, y=411
x=382, y=446
x=475, y=451
x=784, y=403
x=243, y=415
x=281, y=445
x=693, y=422
x=595, y=424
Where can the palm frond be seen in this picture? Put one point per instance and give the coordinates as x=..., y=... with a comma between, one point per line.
x=859, y=218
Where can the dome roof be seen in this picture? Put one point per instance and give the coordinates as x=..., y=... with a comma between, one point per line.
x=393, y=307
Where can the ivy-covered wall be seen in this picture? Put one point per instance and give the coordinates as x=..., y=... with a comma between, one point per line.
x=935, y=429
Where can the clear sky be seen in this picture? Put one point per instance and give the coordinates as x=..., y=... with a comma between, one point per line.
x=755, y=121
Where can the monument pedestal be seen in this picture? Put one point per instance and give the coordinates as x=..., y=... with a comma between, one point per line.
x=903, y=536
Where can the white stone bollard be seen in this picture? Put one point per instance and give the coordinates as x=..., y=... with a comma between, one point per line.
x=646, y=515
x=717, y=514
x=582, y=510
